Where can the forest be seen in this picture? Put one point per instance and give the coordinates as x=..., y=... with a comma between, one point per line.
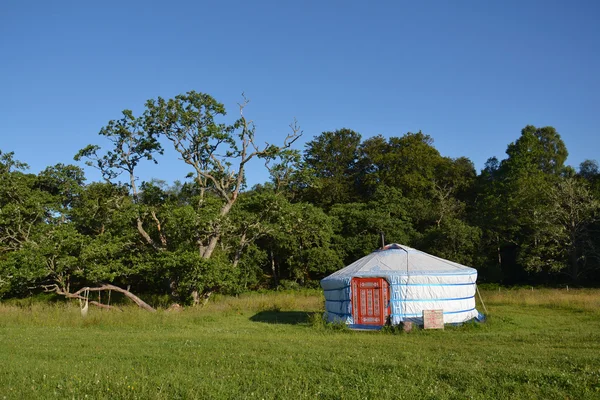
x=527, y=218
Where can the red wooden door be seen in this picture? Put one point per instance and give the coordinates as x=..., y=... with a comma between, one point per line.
x=370, y=297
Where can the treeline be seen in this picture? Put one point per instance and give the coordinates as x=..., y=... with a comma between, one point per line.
x=528, y=218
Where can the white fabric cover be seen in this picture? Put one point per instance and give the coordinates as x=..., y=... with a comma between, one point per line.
x=418, y=281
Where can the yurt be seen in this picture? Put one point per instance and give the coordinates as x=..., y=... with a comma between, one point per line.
x=396, y=284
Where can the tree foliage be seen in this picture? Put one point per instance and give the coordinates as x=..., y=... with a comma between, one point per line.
x=526, y=218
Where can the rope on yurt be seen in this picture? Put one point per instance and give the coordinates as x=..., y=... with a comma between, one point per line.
x=405, y=286
x=407, y=275
x=481, y=299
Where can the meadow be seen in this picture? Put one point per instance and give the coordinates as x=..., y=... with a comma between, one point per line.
x=541, y=344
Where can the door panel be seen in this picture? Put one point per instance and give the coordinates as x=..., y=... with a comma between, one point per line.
x=370, y=297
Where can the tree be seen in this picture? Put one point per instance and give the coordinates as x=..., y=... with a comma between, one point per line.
x=331, y=159
x=22, y=211
x=562, y=240
x=64, y=183
x=195, y=216
x=358, y=226
x=22, y=207
x=61, y=236
x=289, y=175
x=452, y=188
x=301, y=243
x=531, y=171
x=538, y=149
x=452, y=239
x=589, y=170
x=488, y=214
x=523, y=204
x=131, y=143
x=218, y=153
x=408, y=163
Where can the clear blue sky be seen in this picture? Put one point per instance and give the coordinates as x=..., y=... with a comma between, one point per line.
x=469, y=73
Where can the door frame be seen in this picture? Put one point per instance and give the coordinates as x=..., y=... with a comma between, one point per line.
x=370, y=309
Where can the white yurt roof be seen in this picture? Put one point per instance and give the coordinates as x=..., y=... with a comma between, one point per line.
x=400, y=260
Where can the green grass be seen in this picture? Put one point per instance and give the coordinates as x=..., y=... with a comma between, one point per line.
x=542, y=344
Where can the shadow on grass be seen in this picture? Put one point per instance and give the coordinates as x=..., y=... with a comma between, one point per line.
x=281, y=317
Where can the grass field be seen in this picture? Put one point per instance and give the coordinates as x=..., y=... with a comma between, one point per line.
x=541, y=344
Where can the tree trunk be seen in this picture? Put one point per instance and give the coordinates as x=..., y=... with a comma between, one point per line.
x=141, y=303
x=274, y=268
x=173, y=287
x=239, y=250
x=127, y=293
x=145, y=235
x=212, y=244
x=214, y=240
x=574, y=267
x=93, y=302
x=161, y=234
x=195, y=298
x=206, y=298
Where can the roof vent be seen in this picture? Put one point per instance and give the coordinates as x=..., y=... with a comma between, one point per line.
x=393, y=246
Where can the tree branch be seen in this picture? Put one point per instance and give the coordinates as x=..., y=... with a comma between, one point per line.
x=77, y=295
x=163, y=239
